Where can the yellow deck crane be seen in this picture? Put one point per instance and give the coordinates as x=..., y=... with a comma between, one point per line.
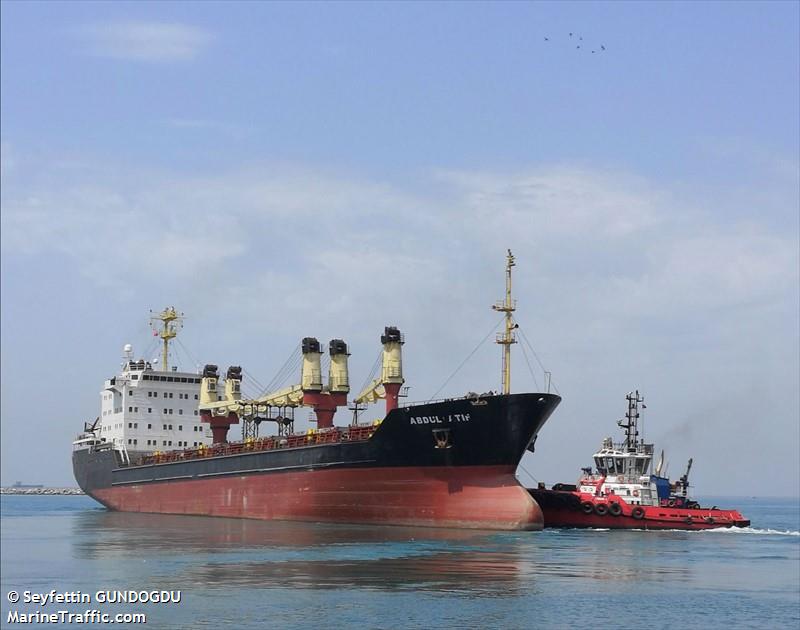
x=309, y=392
x=391, y=378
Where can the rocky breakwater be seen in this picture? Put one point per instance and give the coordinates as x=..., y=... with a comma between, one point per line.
x=40, y=490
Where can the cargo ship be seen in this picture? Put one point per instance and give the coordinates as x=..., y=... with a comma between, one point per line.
x=623, y=493
x=161, y=443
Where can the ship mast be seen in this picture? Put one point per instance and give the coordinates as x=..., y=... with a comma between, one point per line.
x=167, y=331
x=631, y=420
x=506, y=338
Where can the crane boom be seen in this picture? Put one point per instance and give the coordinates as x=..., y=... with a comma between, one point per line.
x=372, y=392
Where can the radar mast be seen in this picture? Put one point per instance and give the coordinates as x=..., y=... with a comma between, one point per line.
x=171, y=321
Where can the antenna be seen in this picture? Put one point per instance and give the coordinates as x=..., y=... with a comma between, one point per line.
x=171, y=322
x=506, y=338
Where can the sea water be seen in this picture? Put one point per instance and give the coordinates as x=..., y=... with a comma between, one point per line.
x=253, y=574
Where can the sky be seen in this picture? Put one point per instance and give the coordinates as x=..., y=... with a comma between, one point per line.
x=283, y=170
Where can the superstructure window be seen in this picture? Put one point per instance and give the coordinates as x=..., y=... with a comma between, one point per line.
x=180, y=412
x=180, y=427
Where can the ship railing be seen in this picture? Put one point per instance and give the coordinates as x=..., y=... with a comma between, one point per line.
x=425, y=402
x=332, y=435
x=473, y=396
x=622, y=448
x=470, y=396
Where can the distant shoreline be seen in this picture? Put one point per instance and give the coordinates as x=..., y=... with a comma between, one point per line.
x=40, y=491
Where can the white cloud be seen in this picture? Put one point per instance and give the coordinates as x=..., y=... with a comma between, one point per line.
x=146, y=41
x=561, y=200
x=614, y=240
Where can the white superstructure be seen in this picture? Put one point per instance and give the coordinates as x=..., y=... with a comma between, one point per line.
x=145, y=410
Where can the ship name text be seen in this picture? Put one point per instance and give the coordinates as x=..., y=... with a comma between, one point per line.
x=449, y=419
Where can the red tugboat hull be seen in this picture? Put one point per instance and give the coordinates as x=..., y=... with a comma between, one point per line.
x=576, y=509
x=480, y=497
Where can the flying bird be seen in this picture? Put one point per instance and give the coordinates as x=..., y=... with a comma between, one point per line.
x=602, y=47
x=570, y=34
x=547, y=39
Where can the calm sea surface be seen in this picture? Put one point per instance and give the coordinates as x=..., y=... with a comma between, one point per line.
x=251, y=574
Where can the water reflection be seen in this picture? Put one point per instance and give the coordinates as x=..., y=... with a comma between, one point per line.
x=103, y=533
x=220, y=553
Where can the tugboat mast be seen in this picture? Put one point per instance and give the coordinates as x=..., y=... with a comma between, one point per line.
x=631, y=421
x=506, y=338
x=167, y=332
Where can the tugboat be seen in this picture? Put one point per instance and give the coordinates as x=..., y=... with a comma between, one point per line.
x=623, y=493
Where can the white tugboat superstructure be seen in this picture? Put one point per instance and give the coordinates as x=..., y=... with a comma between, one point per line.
x=624, y=468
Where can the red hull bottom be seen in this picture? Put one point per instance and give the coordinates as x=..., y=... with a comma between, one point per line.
x=681, y=519
x=479, y=497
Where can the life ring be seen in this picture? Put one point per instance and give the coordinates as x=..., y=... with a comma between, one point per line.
x=614, y=508
x=635, y=493
x=638, y=512
x=601, y=509
x=587, y=507
x=671, y=503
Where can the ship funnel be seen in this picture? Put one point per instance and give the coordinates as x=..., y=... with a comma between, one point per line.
x=233, y=383
x=338, y=378
x=311, y=372
x=208, y=387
